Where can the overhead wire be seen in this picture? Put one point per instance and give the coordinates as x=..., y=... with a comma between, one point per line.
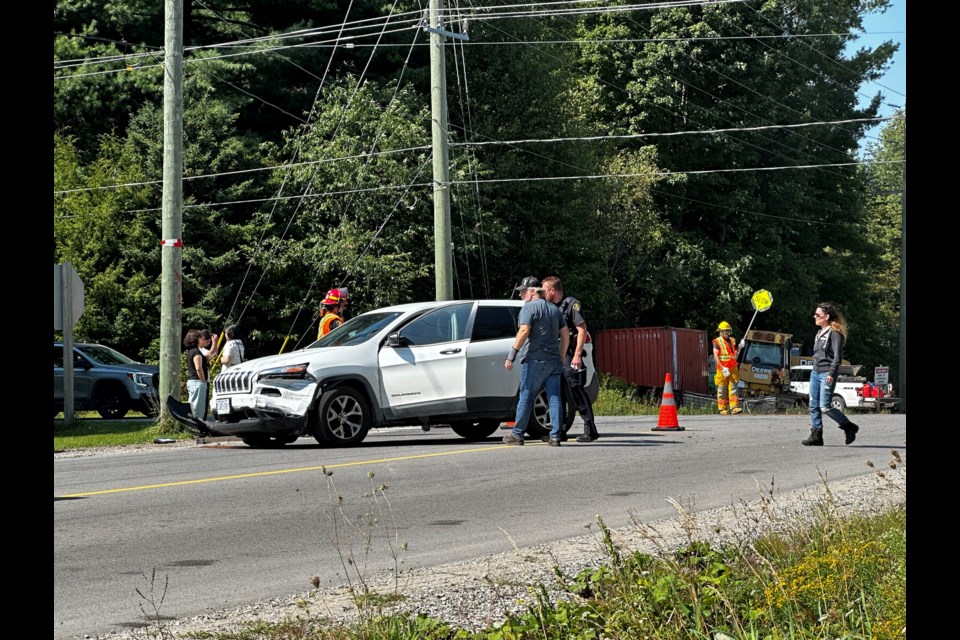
x=369, y=156
x=286, y=176
x=463, y=94
x=476, y=143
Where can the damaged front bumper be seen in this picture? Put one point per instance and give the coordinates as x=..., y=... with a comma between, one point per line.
x=264, y=422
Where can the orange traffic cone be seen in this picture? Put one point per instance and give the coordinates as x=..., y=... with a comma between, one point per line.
x=668, y=409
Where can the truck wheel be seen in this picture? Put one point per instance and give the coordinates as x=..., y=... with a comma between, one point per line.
x=111, y=401
x=476, y=429
x=837, y=402
x=343, y=418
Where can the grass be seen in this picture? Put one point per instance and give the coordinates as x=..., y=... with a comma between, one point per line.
x=89, y=430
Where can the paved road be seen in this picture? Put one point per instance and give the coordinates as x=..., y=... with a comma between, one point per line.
x=225, y=525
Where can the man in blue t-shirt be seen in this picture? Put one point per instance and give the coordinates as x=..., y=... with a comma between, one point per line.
x=543, y=337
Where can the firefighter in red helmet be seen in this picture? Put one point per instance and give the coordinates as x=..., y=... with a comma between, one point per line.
x=331, y=311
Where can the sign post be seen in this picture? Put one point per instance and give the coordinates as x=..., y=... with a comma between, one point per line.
x=881, y=377
x=67, y=309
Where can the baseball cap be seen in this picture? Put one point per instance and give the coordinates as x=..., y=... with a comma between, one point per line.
x=527, y=283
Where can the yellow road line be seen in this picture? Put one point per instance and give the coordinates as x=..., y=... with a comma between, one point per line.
x=340, y=465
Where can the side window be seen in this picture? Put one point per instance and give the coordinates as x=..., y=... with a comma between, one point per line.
x=493, y=323
x=58, y=357
x=443, y=325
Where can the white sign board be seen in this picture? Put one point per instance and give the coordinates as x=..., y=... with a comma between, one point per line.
x=881, y=376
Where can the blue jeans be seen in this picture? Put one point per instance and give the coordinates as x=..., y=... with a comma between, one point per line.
x=197, y=392
x=821, y=394
x=536, y=375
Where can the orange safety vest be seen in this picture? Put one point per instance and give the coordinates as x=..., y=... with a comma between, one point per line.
x=325, y=323
x=728, y=352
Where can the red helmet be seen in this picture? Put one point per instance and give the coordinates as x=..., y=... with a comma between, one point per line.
x=335, y=296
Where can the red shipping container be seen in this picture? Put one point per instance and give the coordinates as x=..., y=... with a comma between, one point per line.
x=643, y=356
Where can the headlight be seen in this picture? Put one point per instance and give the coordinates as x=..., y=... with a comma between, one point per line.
x=289, y=372
x=141, y=379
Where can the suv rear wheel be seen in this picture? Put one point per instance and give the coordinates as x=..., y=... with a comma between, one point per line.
x=475, y=430
x=540, y=420
x=343, y=418
x=111, y=401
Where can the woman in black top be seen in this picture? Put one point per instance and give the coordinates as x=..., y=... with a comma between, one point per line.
x=827, y=355
x=197, y=371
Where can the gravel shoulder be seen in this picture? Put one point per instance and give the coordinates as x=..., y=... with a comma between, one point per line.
x=477, y=593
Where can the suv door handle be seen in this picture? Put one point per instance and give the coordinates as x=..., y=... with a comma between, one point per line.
x=448, y=352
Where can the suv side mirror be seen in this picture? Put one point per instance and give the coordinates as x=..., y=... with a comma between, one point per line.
x=397, y=340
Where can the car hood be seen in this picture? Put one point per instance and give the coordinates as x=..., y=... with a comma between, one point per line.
x=294, y=357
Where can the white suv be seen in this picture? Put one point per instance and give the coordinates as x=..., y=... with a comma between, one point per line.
x=424, y=363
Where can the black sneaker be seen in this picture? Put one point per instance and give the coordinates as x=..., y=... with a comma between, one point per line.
x=547, y=439
x=586, y=438
x=511, y=439
x=850, y=430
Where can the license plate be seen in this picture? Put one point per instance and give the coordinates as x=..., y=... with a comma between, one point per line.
x=223, y=406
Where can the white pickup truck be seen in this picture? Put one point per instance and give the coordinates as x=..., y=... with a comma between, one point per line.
x=847, y=391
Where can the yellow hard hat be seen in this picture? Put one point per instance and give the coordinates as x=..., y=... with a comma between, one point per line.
x=724, y=326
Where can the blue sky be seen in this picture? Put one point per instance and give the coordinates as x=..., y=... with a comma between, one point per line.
x=890, y=25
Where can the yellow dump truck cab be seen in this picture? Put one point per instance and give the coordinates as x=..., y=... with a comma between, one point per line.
x=764, y=363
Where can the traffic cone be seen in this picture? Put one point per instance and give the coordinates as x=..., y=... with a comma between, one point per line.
x=668, y=409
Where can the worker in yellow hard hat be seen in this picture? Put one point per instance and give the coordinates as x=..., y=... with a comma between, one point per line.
x=727, y=377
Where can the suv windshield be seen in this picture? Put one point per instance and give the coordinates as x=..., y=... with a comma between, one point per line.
x=104, y=355
x=356, y=330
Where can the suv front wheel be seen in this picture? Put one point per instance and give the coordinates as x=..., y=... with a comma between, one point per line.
x=111, y=401
x=343, y=418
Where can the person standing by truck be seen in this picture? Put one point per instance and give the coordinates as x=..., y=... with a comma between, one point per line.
x=727, y=377
x=827, y=355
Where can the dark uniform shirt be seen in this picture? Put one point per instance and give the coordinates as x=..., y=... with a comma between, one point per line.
x=570, y=307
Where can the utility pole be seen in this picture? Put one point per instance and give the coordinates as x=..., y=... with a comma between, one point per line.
x=902, y=373
x=171, y=243
x=442, y=237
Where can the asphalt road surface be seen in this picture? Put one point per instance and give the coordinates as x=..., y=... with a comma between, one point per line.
x=219, y=526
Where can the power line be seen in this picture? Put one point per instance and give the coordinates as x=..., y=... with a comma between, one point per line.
x=472, y=144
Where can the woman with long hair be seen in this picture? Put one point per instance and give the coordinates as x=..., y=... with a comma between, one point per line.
x=827, y=355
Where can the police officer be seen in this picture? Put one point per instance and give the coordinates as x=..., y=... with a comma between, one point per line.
x=574, y=370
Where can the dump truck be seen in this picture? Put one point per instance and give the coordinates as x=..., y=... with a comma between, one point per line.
x=764, y=367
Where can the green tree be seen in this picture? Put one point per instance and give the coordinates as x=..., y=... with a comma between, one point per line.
x=704, y=72
x=104, y=231
x=884, y=174
x=353, y=207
